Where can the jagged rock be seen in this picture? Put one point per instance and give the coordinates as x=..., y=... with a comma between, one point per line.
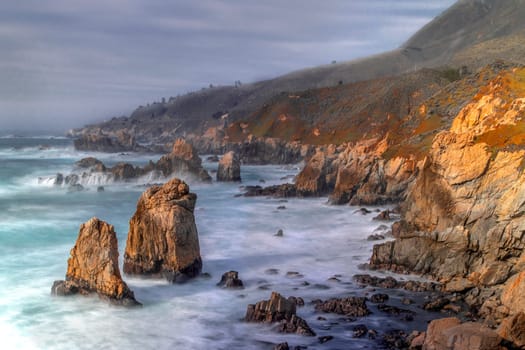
x=351, y=306
x=390, y=282
x=229, y=168
x=183, y=160
x=281, y=346
x=119, y=141
x=162, y=238
x=464, y=212
x=379, y=298
x=230, y=280
x=93, y=266
x=278, y=309
x=278, y=191
x=375, y=237
x=279, y=233
x=91, y=163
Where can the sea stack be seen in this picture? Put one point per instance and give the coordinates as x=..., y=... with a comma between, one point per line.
x=162, y=239
x=93, y=266
x=229, y=167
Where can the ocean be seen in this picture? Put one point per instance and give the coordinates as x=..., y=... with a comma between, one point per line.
x=39, y=224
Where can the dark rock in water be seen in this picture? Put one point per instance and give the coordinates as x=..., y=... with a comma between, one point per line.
x=163, y=239
x=281, y=207
x=278, y=309
x=359, y=331
x=383, y=216
x=230, y=280
x=205, y=275
x=351, y=306
x=363, y=211
x=229, y=168
x=436, y=304
x=281, y=346
x=75, y=188
x=262, y=181
x=93, y=266
x=295, y=325
x=272, y=272
x=407, y=315
x=325, y=338
x=396, y=339
x=298, y=301
x=91, y=163
x=213, y=158
x=390, y=283
x=375, y=237
x=100, y=189
x=294, y=274
x=277, y=191
x=279, y=233
x=59, y=180
x=379, y=298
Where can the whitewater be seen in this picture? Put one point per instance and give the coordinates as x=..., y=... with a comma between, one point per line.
x=39, y=224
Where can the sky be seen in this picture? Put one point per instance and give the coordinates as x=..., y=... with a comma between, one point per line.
x=65, y=63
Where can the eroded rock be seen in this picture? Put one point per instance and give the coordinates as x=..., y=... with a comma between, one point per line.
x=93, y=266
x=163, y=238
x=278, y=309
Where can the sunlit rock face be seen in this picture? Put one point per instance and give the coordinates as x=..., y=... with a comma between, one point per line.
x=93, y=266
x=162, y=239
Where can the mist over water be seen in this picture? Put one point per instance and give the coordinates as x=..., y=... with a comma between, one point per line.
x=39, y=224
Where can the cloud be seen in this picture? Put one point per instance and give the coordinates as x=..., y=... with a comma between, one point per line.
x=71, y=61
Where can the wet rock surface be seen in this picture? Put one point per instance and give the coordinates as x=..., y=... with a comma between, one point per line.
x=351, y=306
x=281, y=310
x=231, y=279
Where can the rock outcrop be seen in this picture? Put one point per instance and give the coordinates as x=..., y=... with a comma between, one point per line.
x=229, y=167
x=93, y=266
x=99, y=141
x=464, y=214
x=278, y=309
x=182, y=162
x=162, y=238
x=451, y=334
x=230, y=279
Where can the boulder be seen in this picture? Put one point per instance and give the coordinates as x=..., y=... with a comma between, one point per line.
x=229, y=167
x=93, y=266
x=351, y=306
x=162, y=238
x=278, y=309
x=230, y=279
x=450, y=334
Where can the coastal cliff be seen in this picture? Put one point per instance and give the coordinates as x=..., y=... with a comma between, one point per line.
x=464, y=213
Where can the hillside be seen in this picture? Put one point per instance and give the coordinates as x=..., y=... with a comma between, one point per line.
x=471, y=33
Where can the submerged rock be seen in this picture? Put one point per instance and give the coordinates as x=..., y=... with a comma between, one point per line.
x=278, y=309
x=93, y=266
x=162, y=238
x=229, y=167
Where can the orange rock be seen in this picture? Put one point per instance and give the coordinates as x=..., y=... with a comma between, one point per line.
x=93, y=265
x=162, y=238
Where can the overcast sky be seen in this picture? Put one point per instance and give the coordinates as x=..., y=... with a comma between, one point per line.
x=64, y=63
